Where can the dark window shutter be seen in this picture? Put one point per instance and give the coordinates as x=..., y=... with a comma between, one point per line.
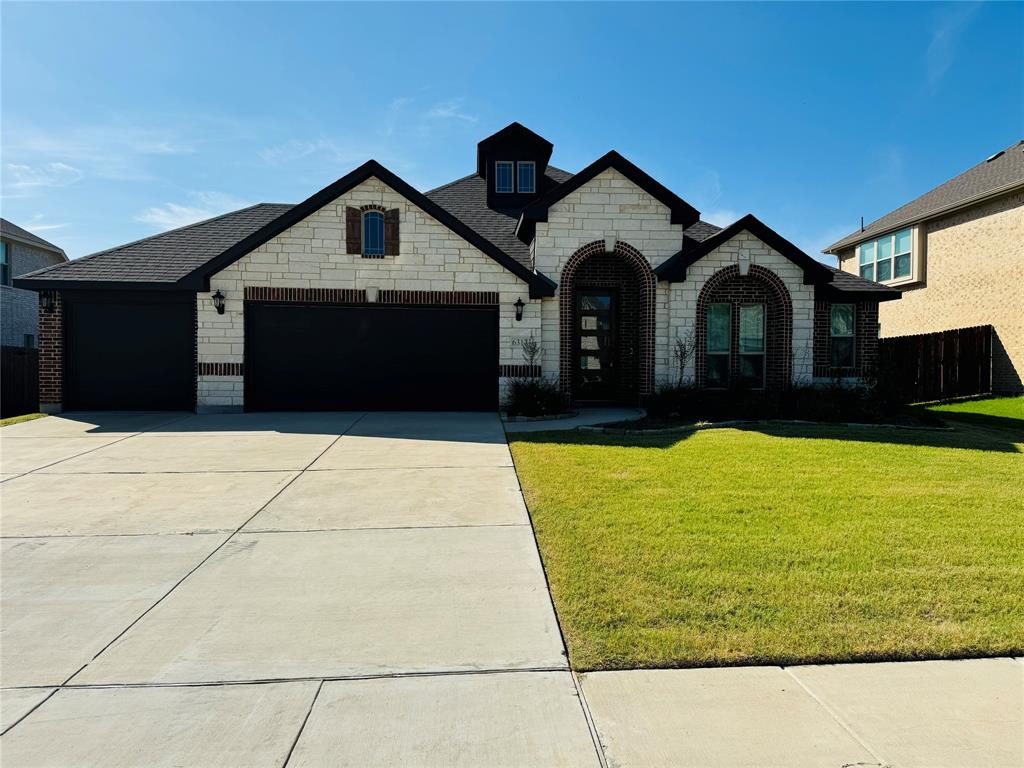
x=391, y=232
x=353, y=230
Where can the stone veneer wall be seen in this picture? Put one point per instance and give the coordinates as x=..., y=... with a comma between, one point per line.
x=311, y=255
x=745, y=249
x=972, y=275
x=609, y=205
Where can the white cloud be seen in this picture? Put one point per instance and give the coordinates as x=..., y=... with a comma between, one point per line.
x=945, y=35
x=450, y=110
x=53, y=174
x=202, y=205
x=721, y=217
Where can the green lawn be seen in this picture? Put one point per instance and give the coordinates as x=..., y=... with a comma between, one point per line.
x=18, y=419
x=784, y=544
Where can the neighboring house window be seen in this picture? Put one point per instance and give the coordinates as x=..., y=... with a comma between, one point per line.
x=751, y=349
x=887, y=258
x=373, y=233
x=527, y=177
x=5, y=266
x=841, y=341
x=719, y=338
x=503, y=176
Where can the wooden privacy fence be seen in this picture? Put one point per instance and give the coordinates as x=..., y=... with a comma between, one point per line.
x=19, y=381
x=935, y=366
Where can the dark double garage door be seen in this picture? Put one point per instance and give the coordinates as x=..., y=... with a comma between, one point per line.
x=370, y=357
x=139, y=354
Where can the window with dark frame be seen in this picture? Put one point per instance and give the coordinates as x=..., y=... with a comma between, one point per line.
x=5, y=266
x=527, y=181
x=373, y=233
x=719, y=344
x=841, y=335
x=503, y=181
x=751, y=346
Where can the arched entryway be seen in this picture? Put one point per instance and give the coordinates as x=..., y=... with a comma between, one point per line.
x=606, y=306
x=744, y=330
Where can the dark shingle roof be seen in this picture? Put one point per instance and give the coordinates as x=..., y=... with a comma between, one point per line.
x=1001, y=171
x=13, y=231
x=466, y=200
x=169, y=256
x=850, y=283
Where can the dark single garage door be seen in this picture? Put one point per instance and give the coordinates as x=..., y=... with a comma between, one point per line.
x=129, y=353
x=370, y=357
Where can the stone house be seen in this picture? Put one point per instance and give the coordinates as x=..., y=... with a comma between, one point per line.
x=957, y=253
x=373, y=295
x=21, y=252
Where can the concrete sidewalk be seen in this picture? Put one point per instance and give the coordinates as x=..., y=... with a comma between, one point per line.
x=928, y=714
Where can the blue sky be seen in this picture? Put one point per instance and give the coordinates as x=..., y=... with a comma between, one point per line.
x=121, y=120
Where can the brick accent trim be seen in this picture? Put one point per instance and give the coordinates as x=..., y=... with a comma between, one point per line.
x=865, y=344
x=647, y=283
x=519, y=371
x=305, y=295
x=372, y=207
x=460, y=298
x=221, y=369
x=51, y=351
x=358, y=296
x=759, y=286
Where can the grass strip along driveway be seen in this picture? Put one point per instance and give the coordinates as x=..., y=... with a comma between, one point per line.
x=784, y=544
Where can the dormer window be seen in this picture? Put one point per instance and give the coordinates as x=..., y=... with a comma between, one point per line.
x=503, y=176
x=527, y=181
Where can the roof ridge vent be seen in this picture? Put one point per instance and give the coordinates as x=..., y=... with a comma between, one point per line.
x=993, y=157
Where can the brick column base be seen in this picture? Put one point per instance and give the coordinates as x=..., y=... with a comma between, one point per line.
x=51, y=353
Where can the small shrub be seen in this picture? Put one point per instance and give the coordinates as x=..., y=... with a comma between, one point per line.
x=534, y=397
x=833, y=403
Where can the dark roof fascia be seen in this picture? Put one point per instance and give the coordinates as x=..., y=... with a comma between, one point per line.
x=673, y=270
x=833, y=291
x=199, y=279
x=44, y=284
x=681, y=211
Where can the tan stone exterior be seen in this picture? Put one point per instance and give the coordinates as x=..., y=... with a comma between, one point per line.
x=311, y=254
x=972, y=274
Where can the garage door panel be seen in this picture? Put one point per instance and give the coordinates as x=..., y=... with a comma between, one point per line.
x=126, y=355
x=330, y=357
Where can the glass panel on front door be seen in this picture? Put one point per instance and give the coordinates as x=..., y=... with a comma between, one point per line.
x=596, y=346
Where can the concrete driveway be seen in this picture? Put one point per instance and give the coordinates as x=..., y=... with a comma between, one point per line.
x=271, y=589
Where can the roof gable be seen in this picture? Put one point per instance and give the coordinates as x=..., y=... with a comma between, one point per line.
x=199, y=279
x=681, y=212
x=673, y=269
x=513, y=134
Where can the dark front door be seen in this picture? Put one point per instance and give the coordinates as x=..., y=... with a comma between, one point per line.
x=321, y=357
x=596, y=354
x=129, y=352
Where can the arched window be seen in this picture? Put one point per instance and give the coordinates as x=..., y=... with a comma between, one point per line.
x=373, y=233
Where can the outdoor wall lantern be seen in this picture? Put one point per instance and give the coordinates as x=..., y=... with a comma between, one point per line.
x=46, y=302
x=519, y=309
x=218, y=302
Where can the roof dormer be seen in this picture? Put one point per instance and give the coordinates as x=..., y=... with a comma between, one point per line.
x=513, y=162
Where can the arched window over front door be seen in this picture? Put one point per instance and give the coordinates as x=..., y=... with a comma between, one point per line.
x=373, y=233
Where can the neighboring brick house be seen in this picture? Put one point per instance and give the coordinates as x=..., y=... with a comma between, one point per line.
x=372, y=295
x=957, y=253
x=21, y=252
